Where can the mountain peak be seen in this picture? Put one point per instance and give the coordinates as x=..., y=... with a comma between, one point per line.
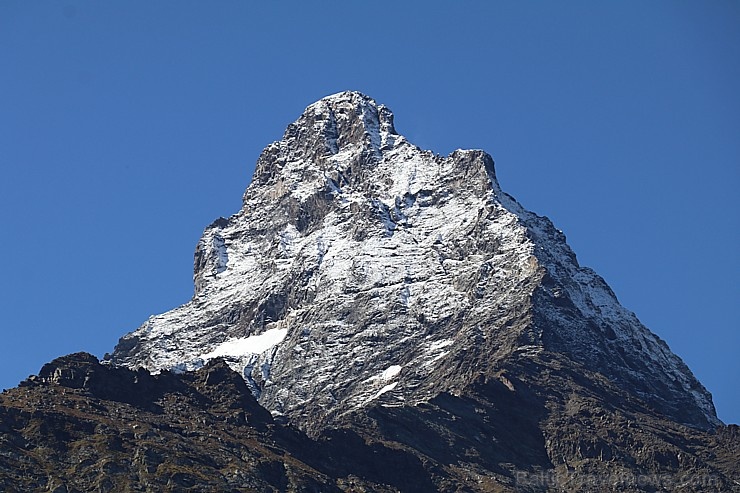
x=347, y=142
x=363, y=271
x=352, y=109
x=399, y=308
x=344, y=122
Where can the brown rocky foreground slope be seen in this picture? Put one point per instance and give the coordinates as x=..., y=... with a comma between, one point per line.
x=82, y=426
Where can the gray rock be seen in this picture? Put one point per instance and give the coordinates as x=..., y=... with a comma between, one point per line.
x=363, y=271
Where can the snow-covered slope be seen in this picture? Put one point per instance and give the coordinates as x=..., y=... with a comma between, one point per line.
x=363, y=271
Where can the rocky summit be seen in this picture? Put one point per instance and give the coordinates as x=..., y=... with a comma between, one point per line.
x=376, y=317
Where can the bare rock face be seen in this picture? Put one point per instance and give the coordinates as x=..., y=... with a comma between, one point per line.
x=376, y=317
x=363, y=270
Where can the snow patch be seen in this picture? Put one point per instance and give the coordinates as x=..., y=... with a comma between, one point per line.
x=382, y=391
x=388, y=374
x=248, y=345
x=385, y=389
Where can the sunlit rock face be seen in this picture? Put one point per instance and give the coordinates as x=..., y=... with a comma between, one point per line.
x=363, y=273
x=376, y=317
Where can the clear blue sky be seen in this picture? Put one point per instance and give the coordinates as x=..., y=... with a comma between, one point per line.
x=127, y=127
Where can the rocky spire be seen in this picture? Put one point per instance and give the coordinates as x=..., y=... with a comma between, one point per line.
x=363, y=271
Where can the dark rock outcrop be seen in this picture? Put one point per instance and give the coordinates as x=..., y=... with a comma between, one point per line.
x=83, y=426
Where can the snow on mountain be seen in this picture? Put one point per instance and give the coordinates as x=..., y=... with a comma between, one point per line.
x=362, y=270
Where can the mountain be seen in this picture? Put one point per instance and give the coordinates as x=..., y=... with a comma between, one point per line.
x=362, y=270
x=408, y=326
